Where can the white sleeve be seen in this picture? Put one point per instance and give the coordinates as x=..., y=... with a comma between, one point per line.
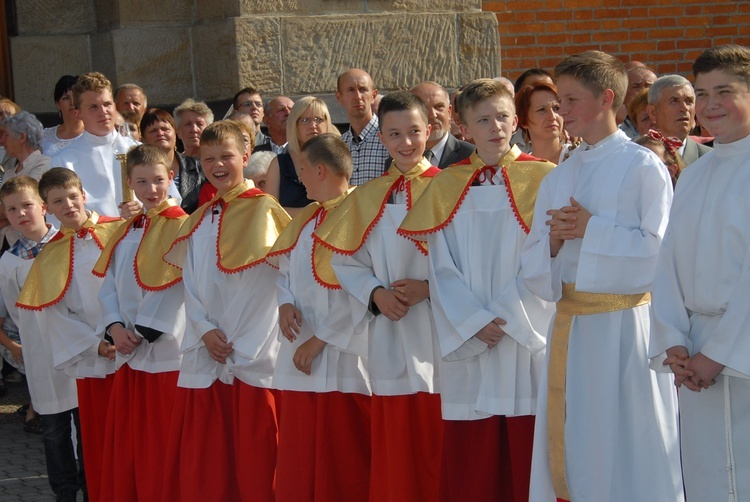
x=197, y=315
x=541, y=273
x=108, y=297
x=670, y=323
x=618, y=259
x=356, y=276
x=71, y=339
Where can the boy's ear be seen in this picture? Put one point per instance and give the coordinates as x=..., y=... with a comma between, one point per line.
x=515, y=122
x=428, y=130
x=380, y=136
x=463, y=129
x=77, y=113
x=607, y=98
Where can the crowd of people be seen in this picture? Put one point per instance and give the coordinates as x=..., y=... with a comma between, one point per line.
x=532, y=290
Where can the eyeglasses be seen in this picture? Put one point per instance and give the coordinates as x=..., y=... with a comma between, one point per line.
x=252, y=104
x=307, y=120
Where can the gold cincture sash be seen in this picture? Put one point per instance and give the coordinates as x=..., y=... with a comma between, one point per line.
x=573, y=303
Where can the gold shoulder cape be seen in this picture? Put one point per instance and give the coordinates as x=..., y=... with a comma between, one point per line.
x=52, y=271
x=345, y=230
x=161, y=226
x=249, y=224
x=521, y=173
x=321, y=255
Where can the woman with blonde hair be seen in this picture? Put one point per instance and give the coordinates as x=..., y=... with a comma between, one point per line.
x=309, y=118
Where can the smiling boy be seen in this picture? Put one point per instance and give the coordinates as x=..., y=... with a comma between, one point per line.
x=53, y=393
x=231, y=339
x=606, y=425
x=62, y=293
x=387, y=275
x=142, y=310
x=702, y=287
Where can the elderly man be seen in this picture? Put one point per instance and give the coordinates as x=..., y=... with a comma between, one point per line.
x=671, y=106
x=191, y=117
x=131, y=98
x=276, y=112
x=249, y=102
x=443, y=149
x=639, y=78
x=356, y=92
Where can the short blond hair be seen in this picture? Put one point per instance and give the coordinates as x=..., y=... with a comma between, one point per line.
x=19, y=184
x=597, y=71
x=222, y=131
x=479, y=90
x=92, y=81
x=146, y=155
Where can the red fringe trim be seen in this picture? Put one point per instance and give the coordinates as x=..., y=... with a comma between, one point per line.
x=65, y=288
x=318, y=279
x=114, y=246
x=294, y=244
x=230, y=271
x=522, y=223
x=409, y=233
x=135, y=262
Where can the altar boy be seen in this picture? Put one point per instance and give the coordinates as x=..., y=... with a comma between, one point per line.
x=702, y=287
x=223, y=437
x=606, y=426
x=475, y=216
x=324, y=432
x=387, y=274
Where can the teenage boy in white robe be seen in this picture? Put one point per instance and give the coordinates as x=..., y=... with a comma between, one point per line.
x=93, y=155
x=606, y=425
x=702, y=288
x=475, y=217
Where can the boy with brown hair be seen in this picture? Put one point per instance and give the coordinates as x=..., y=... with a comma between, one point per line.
x=63, y=294
x=223, y=434
x=702, y=287
x=324, y=429
x=606, y=426
x=475, y=216
x=142, y=310
x=53, y=393
x=93, y=155
x=387, y=275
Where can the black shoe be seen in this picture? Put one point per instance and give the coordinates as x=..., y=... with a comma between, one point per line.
x=66, y=496
x=33, y=426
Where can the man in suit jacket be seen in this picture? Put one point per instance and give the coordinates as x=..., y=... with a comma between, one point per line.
x=671, y=106
x=443, y=149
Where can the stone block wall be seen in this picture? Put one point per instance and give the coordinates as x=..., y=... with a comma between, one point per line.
x=209, y=49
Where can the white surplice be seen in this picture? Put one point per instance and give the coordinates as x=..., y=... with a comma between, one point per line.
x=702, y=301
x=73, y=323
x=242, y=305
x=93, y=159
x=51, y=390
x=474, y=278
x=621, y=418
x=123, y=300
x=327, y=314
x=402, y=356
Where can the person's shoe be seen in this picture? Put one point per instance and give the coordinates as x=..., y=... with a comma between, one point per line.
x=14, y=377
x=34, y=426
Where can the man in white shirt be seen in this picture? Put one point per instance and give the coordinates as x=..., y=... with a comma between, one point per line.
x=93, y=157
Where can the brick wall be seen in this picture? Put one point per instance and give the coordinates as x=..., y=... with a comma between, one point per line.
x=667, y=36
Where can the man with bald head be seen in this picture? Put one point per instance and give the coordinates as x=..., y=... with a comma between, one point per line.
x=639, y=78
x=276, y=112
x=443, y=149
x=131, y=98
x=356, y=92
x=671, y=107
